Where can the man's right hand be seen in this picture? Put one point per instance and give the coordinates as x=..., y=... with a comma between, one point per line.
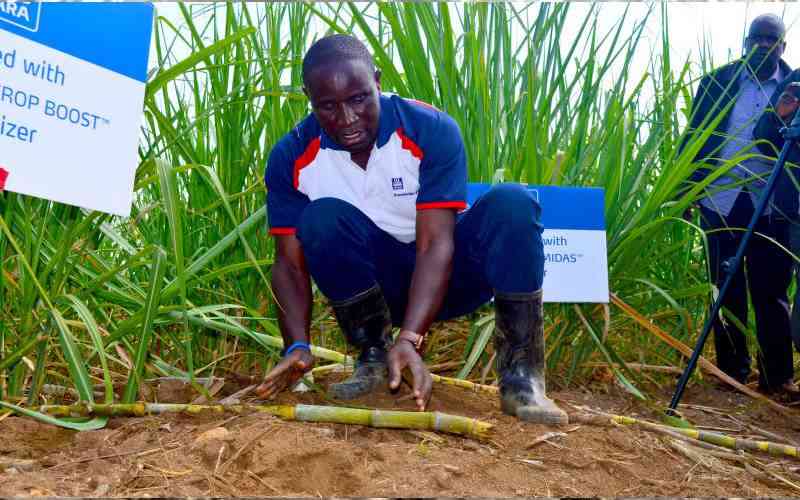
x=286, y=373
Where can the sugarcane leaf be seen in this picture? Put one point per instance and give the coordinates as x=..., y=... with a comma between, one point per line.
x=486, y=327
x=75, y=363
x=221, y=246
x=90, y=425
x=94, y=332
x=164, y=77
x=171, y=201
x=150, y=310
x=14, y=357
x=611, y=356
x=213, y=179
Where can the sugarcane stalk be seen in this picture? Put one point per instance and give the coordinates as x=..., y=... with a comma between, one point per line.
x=639, y=367
x=465, y=384
x=716, y=438
x=437, y=379
x=332, y=368
x=391, y=419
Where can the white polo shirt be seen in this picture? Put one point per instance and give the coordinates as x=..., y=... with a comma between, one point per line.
x=417, y=162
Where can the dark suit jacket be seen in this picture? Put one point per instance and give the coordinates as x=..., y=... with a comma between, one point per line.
x=768, y=128
x=716, y=91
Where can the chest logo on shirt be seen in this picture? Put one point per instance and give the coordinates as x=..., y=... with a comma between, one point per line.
x=397, y=183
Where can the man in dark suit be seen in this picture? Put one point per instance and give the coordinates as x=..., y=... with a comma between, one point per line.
x=730, y=100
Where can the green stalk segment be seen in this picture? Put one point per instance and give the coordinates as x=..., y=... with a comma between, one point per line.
x=429, y=421
x=388, y=419
x=465, y=384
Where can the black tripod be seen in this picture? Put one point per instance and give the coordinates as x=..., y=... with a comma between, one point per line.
x=790, y=134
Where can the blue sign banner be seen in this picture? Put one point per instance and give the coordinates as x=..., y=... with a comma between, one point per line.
x=72, y=83
x=574, y=241
x=84, y=30
x=562, y=207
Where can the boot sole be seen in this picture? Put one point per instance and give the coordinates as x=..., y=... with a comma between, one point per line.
x=346, y=391
x=536, y=415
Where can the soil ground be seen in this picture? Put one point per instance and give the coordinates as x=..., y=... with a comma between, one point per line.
x=261, y=455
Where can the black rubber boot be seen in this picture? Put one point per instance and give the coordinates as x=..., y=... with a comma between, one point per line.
x=367, y=325
x=519, y=343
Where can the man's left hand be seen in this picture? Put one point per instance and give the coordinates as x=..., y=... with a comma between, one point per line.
x=403, y=355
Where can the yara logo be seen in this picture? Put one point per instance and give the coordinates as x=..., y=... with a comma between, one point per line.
x=23, y=14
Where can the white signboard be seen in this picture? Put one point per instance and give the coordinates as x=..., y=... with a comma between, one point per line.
x=72, y=80
x=574, y=237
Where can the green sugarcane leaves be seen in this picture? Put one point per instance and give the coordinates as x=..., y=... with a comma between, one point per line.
x=480, y=335
x=164, y=77
x=75, y=363
x=94, y=332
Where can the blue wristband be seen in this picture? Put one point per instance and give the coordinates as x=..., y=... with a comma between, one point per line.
x=297, y=345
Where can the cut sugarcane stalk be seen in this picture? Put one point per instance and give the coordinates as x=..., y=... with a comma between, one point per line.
x=429, y=421
x=716, y=438
x=465, y=384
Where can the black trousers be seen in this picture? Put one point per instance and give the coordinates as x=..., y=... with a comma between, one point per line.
x=768, y=273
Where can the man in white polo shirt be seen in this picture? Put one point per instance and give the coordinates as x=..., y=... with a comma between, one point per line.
x=367, y=196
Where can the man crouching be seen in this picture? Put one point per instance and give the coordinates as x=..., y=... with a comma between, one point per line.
x=367, y=195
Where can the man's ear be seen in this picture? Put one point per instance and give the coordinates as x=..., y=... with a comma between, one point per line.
x=308, y=96
x=378, y=78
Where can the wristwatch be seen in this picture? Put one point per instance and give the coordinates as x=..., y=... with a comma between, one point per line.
x=417, y=340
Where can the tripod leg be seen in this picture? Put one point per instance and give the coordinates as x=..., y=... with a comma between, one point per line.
x=730, y=343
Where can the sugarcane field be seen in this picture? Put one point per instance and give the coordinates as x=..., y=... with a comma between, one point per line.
x=399, y=249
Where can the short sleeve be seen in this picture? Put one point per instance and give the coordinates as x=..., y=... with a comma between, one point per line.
x=284, y=202
x=443, y=168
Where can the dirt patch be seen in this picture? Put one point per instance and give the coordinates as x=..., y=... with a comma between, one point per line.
x=262, y=455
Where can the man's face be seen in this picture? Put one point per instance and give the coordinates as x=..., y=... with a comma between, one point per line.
x=345, y=97
x=765, y=40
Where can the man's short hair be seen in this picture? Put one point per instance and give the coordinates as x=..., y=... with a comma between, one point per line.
x=335, y=48
x=770, y=17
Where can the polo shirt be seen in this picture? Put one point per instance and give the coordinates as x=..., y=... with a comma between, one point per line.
x=418, y=162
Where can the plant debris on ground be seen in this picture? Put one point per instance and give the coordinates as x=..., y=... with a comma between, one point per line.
x=233, y=455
